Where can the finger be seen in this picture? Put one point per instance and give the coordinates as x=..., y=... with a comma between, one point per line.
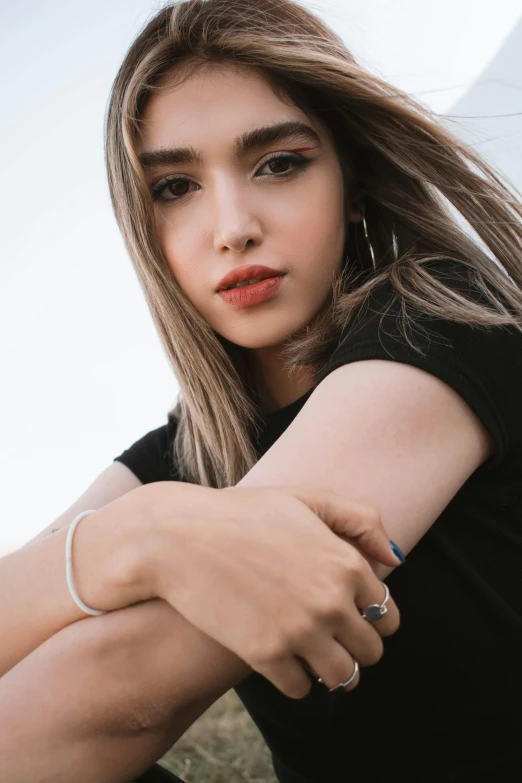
x=347, y=518
x=332, y=663
x=359, y=637
x=287, y=674
x=371, y=592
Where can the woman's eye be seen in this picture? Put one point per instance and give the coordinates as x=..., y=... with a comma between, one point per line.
x=283, y=159
x=174, y=188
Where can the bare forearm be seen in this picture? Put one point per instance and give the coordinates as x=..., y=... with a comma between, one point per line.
x=33, y=609
x=60, y=719
x=161, y=664
x=31, y=750
x=87, y=758
x=105, y=706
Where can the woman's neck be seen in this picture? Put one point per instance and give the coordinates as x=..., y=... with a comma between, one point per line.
x=276, y=388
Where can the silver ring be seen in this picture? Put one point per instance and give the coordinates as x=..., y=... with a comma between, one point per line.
x=344, y=684
x=376, y=611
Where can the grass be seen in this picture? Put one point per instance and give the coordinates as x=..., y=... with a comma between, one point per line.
x=222, y=746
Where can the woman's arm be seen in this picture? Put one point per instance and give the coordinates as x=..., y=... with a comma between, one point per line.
x=83, y=708
x=386, y=434
x=405, y=443
x=35, y=602
x=122, y=687
x=380, y=433
x=128, y=670
x=146, y=667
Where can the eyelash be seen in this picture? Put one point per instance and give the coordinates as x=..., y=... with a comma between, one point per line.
x=299, y=162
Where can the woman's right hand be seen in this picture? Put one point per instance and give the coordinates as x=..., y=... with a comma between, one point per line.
x=269, y=573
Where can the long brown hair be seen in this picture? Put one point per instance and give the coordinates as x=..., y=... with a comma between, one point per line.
x=414, y=176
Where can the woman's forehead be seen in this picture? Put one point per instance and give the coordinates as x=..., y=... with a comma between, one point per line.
x=221, y=85
x=213, y=104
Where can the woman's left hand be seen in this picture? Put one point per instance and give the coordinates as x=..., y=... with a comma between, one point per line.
x=259, y=571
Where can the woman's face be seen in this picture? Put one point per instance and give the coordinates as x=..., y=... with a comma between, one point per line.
x=236, y=205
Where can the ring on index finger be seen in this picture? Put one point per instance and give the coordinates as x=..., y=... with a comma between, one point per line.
x=376, y=611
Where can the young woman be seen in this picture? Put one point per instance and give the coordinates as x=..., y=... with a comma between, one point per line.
x=377, y=366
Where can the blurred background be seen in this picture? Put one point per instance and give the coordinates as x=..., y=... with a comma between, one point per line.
x=84, y=374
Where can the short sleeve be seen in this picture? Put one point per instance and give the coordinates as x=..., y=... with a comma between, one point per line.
x=482, y=364
x=150, y=457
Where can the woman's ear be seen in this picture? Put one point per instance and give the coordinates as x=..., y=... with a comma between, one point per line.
x=355, y=213
x=356, y=208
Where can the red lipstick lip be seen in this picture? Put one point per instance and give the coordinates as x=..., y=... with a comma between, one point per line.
x=250, y=272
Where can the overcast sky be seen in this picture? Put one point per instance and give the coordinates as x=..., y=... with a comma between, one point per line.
x=83, y=371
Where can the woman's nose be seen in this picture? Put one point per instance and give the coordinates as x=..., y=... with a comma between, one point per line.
x=235, y=223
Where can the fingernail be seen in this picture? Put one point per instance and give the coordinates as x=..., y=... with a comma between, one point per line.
x=396, y=551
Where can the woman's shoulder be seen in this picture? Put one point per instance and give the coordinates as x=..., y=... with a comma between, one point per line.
x=482, y=362
x=150, y=457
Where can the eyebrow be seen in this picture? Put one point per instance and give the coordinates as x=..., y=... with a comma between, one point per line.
x=247, y=142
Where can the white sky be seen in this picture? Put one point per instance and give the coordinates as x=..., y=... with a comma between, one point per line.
x=83, y=374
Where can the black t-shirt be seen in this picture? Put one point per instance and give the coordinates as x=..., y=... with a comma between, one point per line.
x=444, y=702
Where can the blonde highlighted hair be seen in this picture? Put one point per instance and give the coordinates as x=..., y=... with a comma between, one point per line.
x=413, y=175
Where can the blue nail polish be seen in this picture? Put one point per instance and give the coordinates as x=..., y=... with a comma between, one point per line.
x=396, y=551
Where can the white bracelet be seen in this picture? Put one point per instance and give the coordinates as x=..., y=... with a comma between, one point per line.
x=68, y=564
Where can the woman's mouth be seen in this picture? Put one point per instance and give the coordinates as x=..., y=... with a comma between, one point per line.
x=251, y=293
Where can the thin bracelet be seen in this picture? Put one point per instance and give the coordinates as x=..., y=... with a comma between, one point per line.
x=68, y=564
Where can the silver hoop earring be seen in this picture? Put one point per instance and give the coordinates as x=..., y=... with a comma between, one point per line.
x=369, y=243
